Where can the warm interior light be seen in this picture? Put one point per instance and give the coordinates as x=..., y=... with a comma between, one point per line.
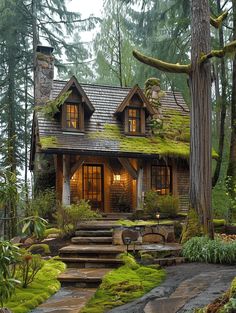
x=117, y=178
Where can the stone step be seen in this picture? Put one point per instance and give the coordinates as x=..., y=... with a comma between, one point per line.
x=169, y=261
x=97, y=226
x=91, y=240
x=93, y=233
x=87, y=251
x=90, y=277
x=91, y=262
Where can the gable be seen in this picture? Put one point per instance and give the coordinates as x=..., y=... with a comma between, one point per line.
x=135, y=97
x=78, y=94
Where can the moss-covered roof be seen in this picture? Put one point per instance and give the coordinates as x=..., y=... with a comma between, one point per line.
x=104, y=131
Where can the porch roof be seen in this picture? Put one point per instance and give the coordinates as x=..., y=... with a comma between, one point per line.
x=104, y=132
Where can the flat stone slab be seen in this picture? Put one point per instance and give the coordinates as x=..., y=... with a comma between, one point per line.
x=83, y=274
x=106, y=249
x=66, y=300
x=91, y=240
x=94, y=233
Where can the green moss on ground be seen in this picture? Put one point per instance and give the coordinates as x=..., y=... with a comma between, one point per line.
x=44, y=286
x=129, y=223
x=123, y=285
x=50, y=231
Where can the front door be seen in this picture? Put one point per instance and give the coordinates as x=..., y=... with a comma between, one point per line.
x=93, y=185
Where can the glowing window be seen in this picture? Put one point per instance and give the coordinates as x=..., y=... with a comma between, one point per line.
x=161, y=179
x=134, y=120
x=72, y=116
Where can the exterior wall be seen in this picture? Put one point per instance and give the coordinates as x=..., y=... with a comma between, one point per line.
x=180, y=180
x=121, y=196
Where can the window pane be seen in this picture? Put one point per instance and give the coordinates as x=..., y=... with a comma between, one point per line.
x=161, y=179
x=72, y=116
x=134, y=120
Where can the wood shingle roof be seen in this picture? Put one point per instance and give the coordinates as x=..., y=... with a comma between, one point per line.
x=103, y=133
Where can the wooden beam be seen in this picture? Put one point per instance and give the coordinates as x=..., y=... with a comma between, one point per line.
x=139, y=188
x=66, y=180
x=79, y=162
x=129, y=167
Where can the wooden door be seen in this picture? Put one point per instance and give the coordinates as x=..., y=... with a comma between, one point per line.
x=93, y=185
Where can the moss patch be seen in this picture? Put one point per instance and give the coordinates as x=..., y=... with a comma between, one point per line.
x=123, y=285
x=48, y=142
x=129, y=223
x=44, y=285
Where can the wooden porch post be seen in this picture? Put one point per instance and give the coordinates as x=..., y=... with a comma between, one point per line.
x=66, y=180
x=139, y=187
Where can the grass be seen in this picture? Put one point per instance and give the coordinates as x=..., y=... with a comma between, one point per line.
x=123, y=285
x=44, y=286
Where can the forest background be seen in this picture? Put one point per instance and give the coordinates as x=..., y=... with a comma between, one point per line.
x=157, y=28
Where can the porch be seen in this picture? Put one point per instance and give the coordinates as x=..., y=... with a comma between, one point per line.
x=112, y=185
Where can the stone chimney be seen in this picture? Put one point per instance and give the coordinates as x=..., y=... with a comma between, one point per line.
x=153, y=92
x=44, y=73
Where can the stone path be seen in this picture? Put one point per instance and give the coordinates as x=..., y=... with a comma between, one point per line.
x=187, y=286
x=66, y=300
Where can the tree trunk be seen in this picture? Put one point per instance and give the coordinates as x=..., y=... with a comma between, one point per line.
x=223, y=106
x=231, y=171
x=200, y=148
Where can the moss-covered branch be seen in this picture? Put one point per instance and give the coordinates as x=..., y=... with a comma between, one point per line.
x=228, y=50
x=217, y=22
x=160, y=65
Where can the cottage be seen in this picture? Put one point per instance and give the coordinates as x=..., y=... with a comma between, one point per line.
x=108, y=144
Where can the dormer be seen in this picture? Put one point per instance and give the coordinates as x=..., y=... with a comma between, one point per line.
x=76, y=107
x=133, y=112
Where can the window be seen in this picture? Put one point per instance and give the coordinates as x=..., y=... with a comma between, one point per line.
x=161, y=179
x=72, y=116
x=134, y=120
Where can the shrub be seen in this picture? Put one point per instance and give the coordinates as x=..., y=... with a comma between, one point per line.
x=34, y=225
x=153, y=203
x=203, y=249
x=192, y=227
x=9, y=256
x=44, y=203
x=69, y=217
x=29, y=267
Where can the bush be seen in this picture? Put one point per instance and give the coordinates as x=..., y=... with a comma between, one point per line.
x=29, y=267
x=153, y=203
x=44, y=203
x=203, y=249
x=192, y=227
x=34, y=225
x=69, y=217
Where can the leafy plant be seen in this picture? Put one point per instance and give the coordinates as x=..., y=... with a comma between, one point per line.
x=44, y=203
x=29, y=267
x=9, y=256
x=69, y=217
x=203, y=249
x=34, y=225
x=153, y=203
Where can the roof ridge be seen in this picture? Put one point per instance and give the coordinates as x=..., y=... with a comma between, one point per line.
x=97, y=85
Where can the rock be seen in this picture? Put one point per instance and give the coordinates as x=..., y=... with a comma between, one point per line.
x=5, y=310
x=53, y=236
x=15, y=240
x=29, y=241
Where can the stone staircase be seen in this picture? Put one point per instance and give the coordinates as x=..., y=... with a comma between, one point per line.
x=90, y=256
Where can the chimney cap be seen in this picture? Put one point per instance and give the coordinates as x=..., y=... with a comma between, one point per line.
x=45, y=49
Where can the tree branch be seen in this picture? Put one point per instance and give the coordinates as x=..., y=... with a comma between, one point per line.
x=162, y=66
x=217, y=22
x=228, y=49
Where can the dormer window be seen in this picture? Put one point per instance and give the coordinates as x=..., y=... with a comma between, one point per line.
x=72, y=116
x=133, y=111
x=134, y=120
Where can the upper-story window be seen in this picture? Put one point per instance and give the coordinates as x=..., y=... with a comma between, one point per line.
x=72, y=116
x=134, y=120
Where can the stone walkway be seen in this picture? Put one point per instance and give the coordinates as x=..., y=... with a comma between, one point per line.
x=66, y=300
x=187, y=286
